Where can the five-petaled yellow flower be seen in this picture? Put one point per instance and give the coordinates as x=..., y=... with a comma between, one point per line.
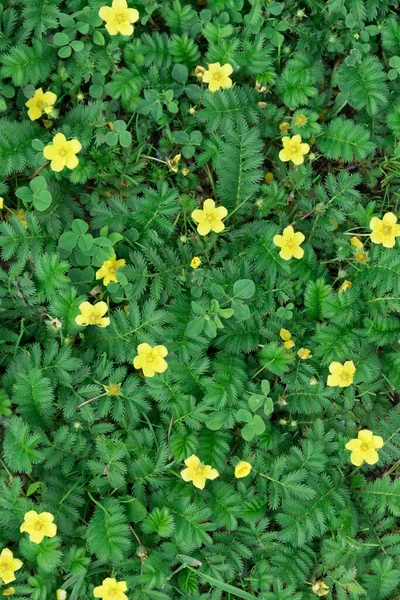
x=341, y=375
x=210, y=218
x=111, y=589
x=62, y=153
x=61, y=594
x=38, y=526
x=293, y=150
x=119, y=17
x=289, y=243
x=195, y=262
x=151, y=359
x=346, y=285
x=93, y=314
x=385, y=230
x=8, y=566
x=242, y=469
x=320, y=588
x=198, y=473
x=364, y=448
x=286, y=336
x=304, y=353
x=217, y=77
x=41, y=102
x=108, y=272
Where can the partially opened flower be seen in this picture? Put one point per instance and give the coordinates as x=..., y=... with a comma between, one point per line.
x=289, y=243
x=364, y=448
x=62, y=153
x=8, y=566
x=320, y=588
x=197, y=472
x=346, y=285
x=195, y=262
x=108, y=272
x=286, y=336
x=61, y=594
x=294, y=150
x=356, y=242
x=341, y=375
x=38, y=526
x=210, y=218
x=385, y=230
x=217, y=76
x=41, y=102
x=119, y=17
x=111, y=589
x=242, y=469
x=151, y=359
x=93, y=314
x=304, y=353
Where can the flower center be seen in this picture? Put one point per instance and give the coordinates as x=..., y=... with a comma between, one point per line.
x=217, y=76
x=289, y=243
x=38, y=525
x=41, y=104
x=95, y=320
x=345, y=377
x=63, y=152
x=199, y=469
x=387, y=229
x=301, y=120
x=4, y=564
x=210, y=217
x=119, y=17
x=364, y=446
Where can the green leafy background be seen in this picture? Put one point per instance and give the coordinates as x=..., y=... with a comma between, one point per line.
x=109, y=470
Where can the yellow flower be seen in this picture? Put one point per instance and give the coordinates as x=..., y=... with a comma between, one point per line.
x=262, y=104
x=304, y=353
x=61, y=594
x=356, y=242
x=286, y=336
x=210, y=218
x=217, y=77
x=364, y=448
x=284, y=127
x=300, y=120
x=289, y=243
x=108, y=272
x=113, y=389
x=40, y=103
x=345, y=286
x=293, y=150
x=20, y=214
x=9, y=591
x=174, y=162
x=8, y=564
x=119, y=17
x=268, y=177
x=341, y=375
x=62, y=153
x=361, y=256
x=385, y=231
x=1, y=203
x=198, y=473
x=242, y=469
x=111, y=589
x=185, y=171
x=38, y=526
x=151, y=359
x=320, y=588
x=195, y=262
x=93, y=314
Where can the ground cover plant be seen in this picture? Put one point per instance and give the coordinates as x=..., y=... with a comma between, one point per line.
x=199, y=298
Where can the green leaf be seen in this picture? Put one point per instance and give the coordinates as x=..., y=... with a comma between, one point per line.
x=247, y=432
x=80, y=227
x=241, y=311
x=244, y=288
x=256, y=401
x=68, y=240
x=244, y=415
x=180, y=73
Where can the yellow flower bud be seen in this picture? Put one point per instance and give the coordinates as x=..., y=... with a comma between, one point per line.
x=61, y=594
